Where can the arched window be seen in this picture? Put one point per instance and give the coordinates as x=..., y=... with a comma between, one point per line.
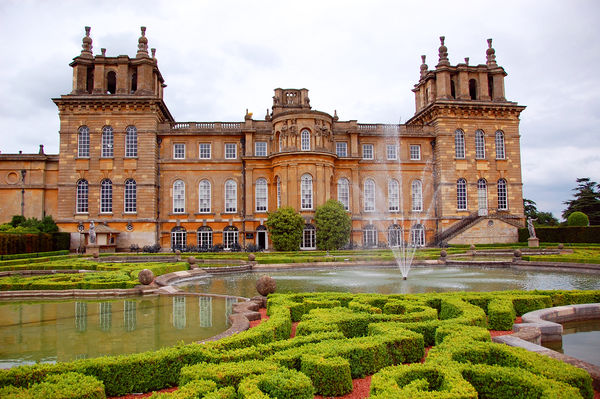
x=280, y=142
x=417, y=195
x=309, y=240
x=369, y=236
x=230, y=237
x=461, y=195
x=204, y=196
x=205, y=237
x=306, y=192
x=107, y=142
x=417, y=235
x=369, y=195
x=305, y=136
x=83, y=142
x=343, y=193
x=131, y=142
x=393, y=196
x=395, y=235
x=82, y=196
x=111, y=82
x=130, y=196
x=459, y=144
x=482, y=197
x=500, y=152
x=230, y=196
x=278, y=180
x=106, y=196
x=178, y=238
x=261, y=195
x=479, y=144
x=179, y=196
x=502, y=195
x=473, y=89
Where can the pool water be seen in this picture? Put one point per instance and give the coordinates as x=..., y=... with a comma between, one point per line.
x=581, y=339
x=51, y=331
x=388, y=280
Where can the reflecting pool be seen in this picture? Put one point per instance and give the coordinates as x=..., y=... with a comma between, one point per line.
x=388, y=280
x=50, y=331
x=581, y=339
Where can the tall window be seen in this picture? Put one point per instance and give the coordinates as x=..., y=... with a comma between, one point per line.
x=367, y=151
x=83, y=142
x=482, y=197
x=370, y=236
x=204, y=196
x=394, y=235
x=178, y=196
x=130, y=196
x=305, y=137
x=179, y=151
x=178, y=238
x=204, y=151
x=309, y=237
x=479, y=144
x=415, y=152
x=278, y=192
x=392, y=151
x=500, y=153
x=343, y=193
x=106, y=193
x=417, y=235
x=393, y=196
x=230, y=196
x=82, y=196
x=131, y=142
x=341, y=149
x=205, y=237
x=417, y=195
x=107, y=142
x=459, y=144
x=502, y=195
x=230, y=237
x=461, y=195
x=260, y=195
x=230, y=151
x=369, y=195
x=280, y=142
x=306, y=192
x=260, y=149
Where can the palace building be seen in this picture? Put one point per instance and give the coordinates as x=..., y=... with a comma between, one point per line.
x=450, y=174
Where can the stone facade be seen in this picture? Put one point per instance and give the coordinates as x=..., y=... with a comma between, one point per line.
x=205, y=183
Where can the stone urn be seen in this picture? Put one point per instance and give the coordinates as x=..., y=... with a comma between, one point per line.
x=146, y=276
x=265, y=285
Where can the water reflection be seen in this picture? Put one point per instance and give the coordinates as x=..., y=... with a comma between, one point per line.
x=65, y=330
x=581, y=339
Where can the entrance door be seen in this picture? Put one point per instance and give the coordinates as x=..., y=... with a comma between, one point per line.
x=261, y=237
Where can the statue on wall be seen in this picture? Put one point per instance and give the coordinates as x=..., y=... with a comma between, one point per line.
x=531, y=228
x=92, y=232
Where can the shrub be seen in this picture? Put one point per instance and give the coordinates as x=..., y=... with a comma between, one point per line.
x=578, y=219
x=62, y=386
x=285, y=229
x=330, y=376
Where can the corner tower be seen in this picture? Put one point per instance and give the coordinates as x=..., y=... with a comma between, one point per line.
x=108, y=144
x=477, y=159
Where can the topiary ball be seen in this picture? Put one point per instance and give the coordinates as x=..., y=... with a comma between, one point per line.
x=265, y=285
x=578, y=219
x=146, y=276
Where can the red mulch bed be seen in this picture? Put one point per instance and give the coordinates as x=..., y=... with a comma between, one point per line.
x=360, y=386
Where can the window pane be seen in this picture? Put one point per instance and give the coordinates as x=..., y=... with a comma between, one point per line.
x=306, y=192
x=461, y=194
x=500, y=153
x=392, y=151
x=305, y=140
x=479, y=145
x=204, y=151
x=261, y=195
x=415, y=152
x=130, y=196
x=278, y=192
x=393, y=196
x=260, y=149
x=82, y=196
x=230, y=196
x=417, y=196
x=178, y=197
x=369, y=195
x=344, y=193
x=230, y=151
x=83, y=142
x=367, y=151
x=107, y=142
x=502, y=195
x=179, y=151
x=341, y=149
x=204, y=197
x=131, y=143
x=459, y=144
x=106, y=196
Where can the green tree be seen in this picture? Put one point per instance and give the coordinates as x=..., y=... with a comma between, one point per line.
x=543, y=218
x=285, y=228
x=587, y=200
x=333, y=225
x=578, y=219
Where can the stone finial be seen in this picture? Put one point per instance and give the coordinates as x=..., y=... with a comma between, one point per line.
x=443, y=52
x=335, y=115
x=41, y=149
x=467, y=61
x=268, y=116
x=153, y=51
x=86, y=46
x=424, y=66
x=491, y=55
x=142, y=44
x=103, y=51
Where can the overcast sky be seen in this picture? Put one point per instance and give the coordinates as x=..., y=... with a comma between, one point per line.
x=359, y=58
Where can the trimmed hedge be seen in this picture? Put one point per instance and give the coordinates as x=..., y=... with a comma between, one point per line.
x=61, y=386
x=13, y=243
x=589, y=234
x=330, y=376
x=285, y=384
